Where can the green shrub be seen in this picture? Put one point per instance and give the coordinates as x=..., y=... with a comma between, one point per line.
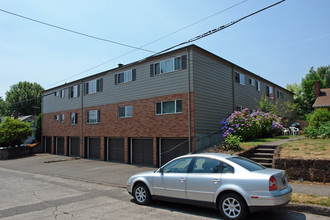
x=319, y=117
x=13, y=132
x=311, y=132
x=233, y=141
x=324, y=130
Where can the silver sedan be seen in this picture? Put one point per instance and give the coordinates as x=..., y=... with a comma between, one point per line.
x=234, y=185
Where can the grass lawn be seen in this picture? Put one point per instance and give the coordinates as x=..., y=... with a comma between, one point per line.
x=311, y=199
x=307, y=148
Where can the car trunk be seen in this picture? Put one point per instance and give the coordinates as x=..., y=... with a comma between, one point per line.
x=280, y=176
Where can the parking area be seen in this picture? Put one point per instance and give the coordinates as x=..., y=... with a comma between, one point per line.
x=46, y=186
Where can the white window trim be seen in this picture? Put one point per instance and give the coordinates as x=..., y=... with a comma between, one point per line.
x=126, y=116
x=259, y=86
x=98, y=116
x=62, y=118
x=161, y=110
x=76, y=119
x=173, y=65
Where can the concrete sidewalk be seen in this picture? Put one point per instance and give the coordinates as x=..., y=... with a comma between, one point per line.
x=114, y=174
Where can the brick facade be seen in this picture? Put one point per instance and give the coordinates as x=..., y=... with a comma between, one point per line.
x=144, y=124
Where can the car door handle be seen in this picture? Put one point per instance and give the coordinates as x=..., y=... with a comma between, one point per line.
x=182, y=180
x=215, y=181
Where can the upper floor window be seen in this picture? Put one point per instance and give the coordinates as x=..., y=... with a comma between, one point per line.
x=125, y=112
x=169, y=107
x=127, y=76
x=240, y=78
x=269, y=91
x=168, y=65
x=57, y=93
x=93, y=86
x=74, y=91
x=62, y=93
x=93, y=117
x=258, y=86
x=56, y=117
x=74, y=118
x=280, y=94
x=252, y=82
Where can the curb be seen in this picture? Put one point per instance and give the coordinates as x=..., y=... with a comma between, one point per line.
x=313, y=209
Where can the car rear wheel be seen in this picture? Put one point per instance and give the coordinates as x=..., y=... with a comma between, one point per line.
x=141, y=194
x=232, y=206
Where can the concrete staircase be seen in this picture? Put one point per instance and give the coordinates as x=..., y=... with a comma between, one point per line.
x=264, y=154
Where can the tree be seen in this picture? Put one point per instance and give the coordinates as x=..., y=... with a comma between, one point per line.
x=13, y=132
x=304, y=93
x=2, y=107
x=25, y=97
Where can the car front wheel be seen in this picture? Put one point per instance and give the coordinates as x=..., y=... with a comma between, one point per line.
x=232, y=206
x=141, y=194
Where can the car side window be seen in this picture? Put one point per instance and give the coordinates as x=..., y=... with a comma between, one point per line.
x=226, y=168
x=206, y=165
x=178, y=166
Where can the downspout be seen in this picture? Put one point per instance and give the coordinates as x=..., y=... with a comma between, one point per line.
x=189, y=115
x=82, y=120
x=232, y=87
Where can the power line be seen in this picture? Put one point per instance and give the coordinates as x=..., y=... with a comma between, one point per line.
x=75, y=32
x=217, y=29
x=174, y=32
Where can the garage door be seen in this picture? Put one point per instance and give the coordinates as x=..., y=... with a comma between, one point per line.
x=116, y=150
x=48, y=145
x=142, y=152
x=60, y=146
x=94, y=148
x=172, y=148
x=75, y=147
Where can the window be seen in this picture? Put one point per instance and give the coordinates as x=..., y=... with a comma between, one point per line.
x=74, y=91
x=280, y=95
x=127, y=76
x=252, y=82
x=258, y=86
x=269, y=91
x=246, y=163
x=206, y=165
x=238, y=108
x=93, y=117
x=125, y=112
x=169, y=107
x=169, y=65
x=93, y=86
x=56, y=117
x=240, y=78
x=62, y=118
x=62, y=93
x=57, y=93
x=74, y=118
x=178, y=166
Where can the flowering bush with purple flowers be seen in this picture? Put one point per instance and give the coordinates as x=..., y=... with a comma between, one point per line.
x=251, y=126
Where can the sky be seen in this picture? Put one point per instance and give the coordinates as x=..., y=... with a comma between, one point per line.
x=280, y=44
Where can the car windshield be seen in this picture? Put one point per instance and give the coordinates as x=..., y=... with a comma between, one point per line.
x=246, y=163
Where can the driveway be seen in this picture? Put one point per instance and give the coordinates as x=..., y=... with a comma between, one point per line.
x=47, y=186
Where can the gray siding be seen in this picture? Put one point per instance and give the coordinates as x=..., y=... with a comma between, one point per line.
x=212, y=83
x=144, y=87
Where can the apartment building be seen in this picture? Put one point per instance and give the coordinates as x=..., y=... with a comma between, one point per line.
x=152, y=110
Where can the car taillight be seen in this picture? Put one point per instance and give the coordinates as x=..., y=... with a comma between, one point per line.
x=272, y=184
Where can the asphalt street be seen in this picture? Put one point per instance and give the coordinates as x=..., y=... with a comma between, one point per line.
x=63, y=189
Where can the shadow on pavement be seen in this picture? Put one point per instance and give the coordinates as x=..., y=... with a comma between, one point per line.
x=273, y=214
